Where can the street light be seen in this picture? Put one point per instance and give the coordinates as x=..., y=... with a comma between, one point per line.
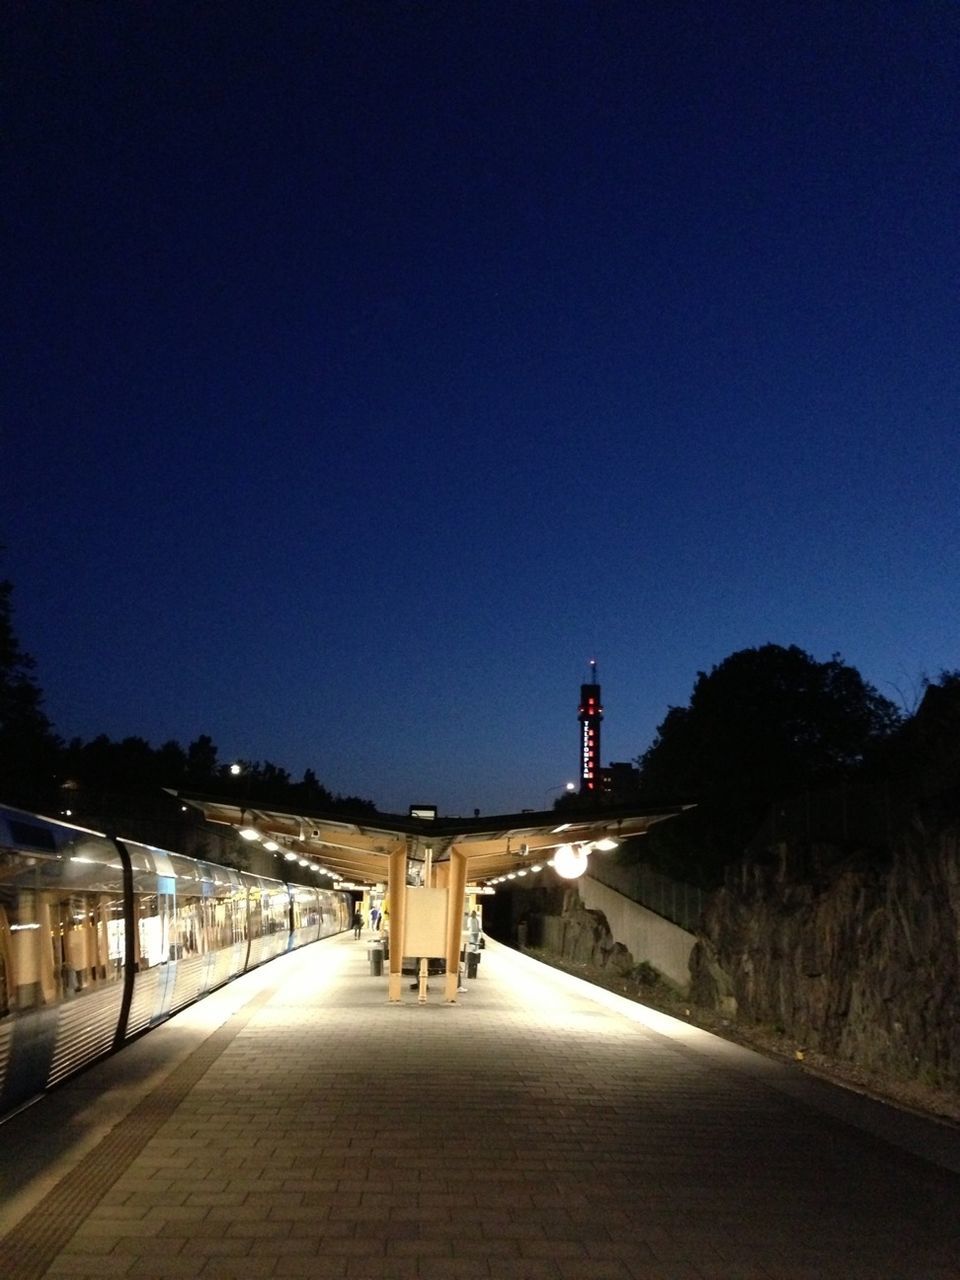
x=568, y=787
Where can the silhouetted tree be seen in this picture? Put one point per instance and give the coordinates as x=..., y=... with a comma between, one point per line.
x=201, y=761
x=170, y=765
x=102, y=765
x=353, y=804
x=764, y=723
x=28, y=745
x=310, y=793
x=924, y=757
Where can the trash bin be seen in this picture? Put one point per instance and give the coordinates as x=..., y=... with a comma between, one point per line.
x=376, y=961
x=473, y=959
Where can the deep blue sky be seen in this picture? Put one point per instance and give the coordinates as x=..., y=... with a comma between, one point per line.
x=372, y=366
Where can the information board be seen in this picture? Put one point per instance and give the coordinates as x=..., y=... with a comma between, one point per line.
x=426, y=923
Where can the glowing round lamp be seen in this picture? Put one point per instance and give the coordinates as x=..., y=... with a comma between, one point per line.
x=570, y=862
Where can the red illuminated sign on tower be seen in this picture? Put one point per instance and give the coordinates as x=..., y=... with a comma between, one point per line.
x=590, y=714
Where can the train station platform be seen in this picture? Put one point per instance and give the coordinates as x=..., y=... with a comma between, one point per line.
x=295, y=1123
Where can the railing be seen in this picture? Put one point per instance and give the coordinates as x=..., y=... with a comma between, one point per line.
x=675, y=901
x=865, y=815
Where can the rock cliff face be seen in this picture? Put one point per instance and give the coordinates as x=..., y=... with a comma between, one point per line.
x=581, y=937
x=853, y=957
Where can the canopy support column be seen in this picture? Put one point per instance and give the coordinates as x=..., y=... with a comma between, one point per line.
x=397, y=892
x=456, y=890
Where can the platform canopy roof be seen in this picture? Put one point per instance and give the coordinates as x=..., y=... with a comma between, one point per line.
x=356, y=847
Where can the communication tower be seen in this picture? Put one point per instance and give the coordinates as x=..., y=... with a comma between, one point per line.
x=590, y=714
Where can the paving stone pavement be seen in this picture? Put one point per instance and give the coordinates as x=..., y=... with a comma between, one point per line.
x=529, y=1132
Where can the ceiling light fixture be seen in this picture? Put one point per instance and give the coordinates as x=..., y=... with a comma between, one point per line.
x=570, y=861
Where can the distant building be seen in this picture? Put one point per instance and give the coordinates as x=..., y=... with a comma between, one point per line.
x=619, y=781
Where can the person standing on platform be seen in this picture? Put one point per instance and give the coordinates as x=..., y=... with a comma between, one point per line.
x=471, y=952
x=357, y=922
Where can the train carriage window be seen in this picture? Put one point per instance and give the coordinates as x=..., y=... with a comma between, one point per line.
x=152, y=943
x=269, y=907
x=171, y=922
x=255, y=914
x=228, y=919
x=91, y=932
x=8, y=973
x=307, y=913
x=188, y=923
x=222, y=923
x=276, y=910
x=56, y=944
x=238, y=922
x=31, y=932
x=6, y=963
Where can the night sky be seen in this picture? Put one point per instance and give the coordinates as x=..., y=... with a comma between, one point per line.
x=370, y=367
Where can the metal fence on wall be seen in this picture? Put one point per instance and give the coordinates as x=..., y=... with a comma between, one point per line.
x=675, y=901
x=864, y=815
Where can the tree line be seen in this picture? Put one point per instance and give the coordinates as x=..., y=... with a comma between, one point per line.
x=771, y=723
x=101, y=777
x=763, y=725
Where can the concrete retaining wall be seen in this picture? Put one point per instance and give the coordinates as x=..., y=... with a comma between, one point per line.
x=647, y=936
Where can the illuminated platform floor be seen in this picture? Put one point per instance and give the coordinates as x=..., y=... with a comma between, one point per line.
x=295, y=1124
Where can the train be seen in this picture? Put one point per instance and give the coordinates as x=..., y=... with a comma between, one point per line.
x=103, y=938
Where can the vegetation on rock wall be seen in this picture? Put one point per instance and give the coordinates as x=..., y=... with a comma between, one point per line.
x=840, y=924
x=854, y=958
